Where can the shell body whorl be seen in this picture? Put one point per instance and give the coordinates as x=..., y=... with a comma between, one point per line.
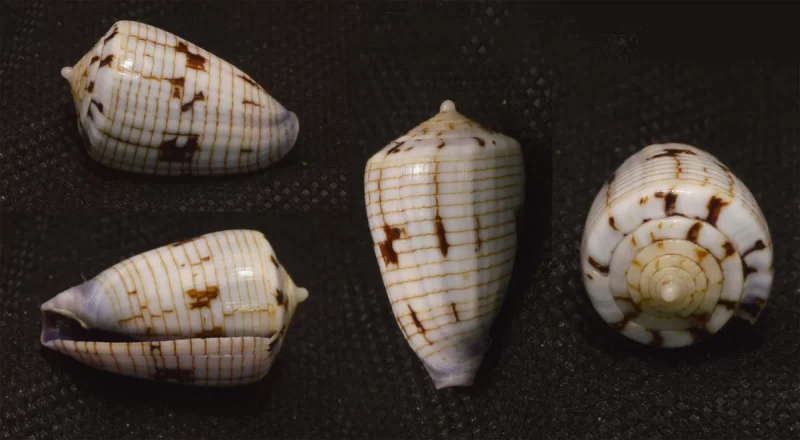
x=149, y=102
x=674, y=246
x=213, y=310
x=442, y=204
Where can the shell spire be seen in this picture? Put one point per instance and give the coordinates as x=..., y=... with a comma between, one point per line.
x=150, y=102
x=674, y=246
x=442, y=204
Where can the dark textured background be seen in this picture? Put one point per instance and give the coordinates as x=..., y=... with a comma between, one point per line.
x=582, y=87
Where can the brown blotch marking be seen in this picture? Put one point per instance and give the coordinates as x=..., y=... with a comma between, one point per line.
x=715, y=205
x=660, y=245
x=176, y=374
x=202, y=298
x=443, y=245
x=694, y=231
x=99, y=105
x=106, y=61
x=149, y=331
x=657, y=340
x=670, y=197
x=395, y=148
x=452, y=126
x=612, y=223
x=94, y=59
x=132, y=292
x=747, y=270
x=425, y=130
x=441, y=145
x=193, y=61
x=633, y=240
x=730, y=305
x=250, y=102
x=215, y=332
x=248, y=80
x=246, y=150
x=600, y=268
x=588, y=275
x=652, y=236
x=183, y=242
x=439, y=133
x=417, y=323
x=208, y=258
x=111, y=37
x=274, y=261
x=636, y=263
x=387, y=250
x=481, y=142
x=612, y=177
x=280, y=298
x=177, y=87
x=90, y=87
x=701, y=254
x=199, y=96
x=171, y=152
x=478, y=232
x=455, y=312
x=155, y=346
x=753, y=308
x=643, y=200
x=756, y=247
x=494, y=142
x=672, y=152
x=729, y=249
x=660, y=225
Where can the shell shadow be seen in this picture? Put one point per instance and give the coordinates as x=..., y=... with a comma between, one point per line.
x=534, y=231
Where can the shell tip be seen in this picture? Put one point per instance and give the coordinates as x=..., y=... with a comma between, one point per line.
x=447, y=106
x=301, y=294
x=453, y=379
x=458, y=375
x=66, y=72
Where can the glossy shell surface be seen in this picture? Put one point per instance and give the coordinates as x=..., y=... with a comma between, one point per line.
x=213, y=310
x=442, y=203
x=674, y=246
x=150, y=102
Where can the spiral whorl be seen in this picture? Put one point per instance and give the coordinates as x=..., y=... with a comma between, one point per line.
x=674, y=246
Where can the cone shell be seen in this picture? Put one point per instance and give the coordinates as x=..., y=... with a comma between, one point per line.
x=442, y=203
x=674, y=246
x=150, y=102
x=213, y=310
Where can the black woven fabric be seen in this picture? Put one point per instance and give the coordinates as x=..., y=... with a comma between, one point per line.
x=581, y=87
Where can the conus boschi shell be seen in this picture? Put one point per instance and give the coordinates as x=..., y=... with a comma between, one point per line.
x=442, y=203
x=150, y=102
x=674, y=246
x=213, y=310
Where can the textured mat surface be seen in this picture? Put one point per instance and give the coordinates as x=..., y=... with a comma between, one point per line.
x=581, y=88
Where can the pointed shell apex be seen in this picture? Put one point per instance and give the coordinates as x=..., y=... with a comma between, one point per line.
x=447, y=106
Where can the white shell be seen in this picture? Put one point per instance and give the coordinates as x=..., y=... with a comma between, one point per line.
x=674, y=245
x=150, y=102
x=213, y=310
x=442, y=203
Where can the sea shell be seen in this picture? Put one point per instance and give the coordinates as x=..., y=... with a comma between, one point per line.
x=150, y=102
x=442, y=203
x=213, y=310
x=674, y=246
